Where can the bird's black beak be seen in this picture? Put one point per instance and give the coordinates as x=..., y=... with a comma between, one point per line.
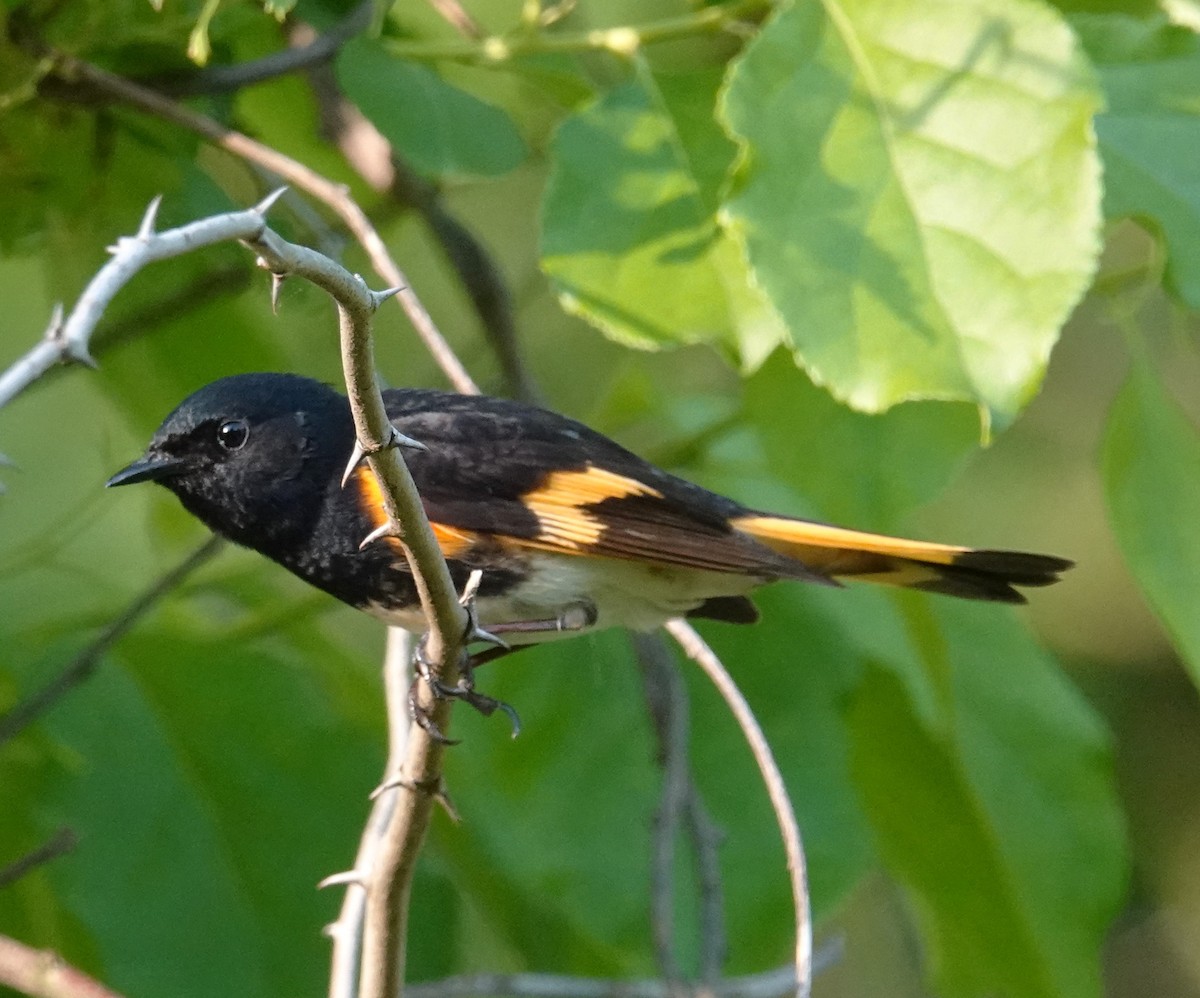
x=147, y=469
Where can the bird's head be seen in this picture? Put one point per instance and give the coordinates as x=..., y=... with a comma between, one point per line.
x=251, y=454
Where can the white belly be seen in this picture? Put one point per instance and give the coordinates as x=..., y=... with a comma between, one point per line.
x=628, y=594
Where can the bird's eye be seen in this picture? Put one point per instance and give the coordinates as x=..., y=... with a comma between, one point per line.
x=233, y=434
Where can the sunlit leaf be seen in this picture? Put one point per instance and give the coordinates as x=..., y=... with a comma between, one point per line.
x=628, y=231
x=918, y=192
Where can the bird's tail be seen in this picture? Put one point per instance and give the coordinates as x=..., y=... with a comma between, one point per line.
x=939, y=568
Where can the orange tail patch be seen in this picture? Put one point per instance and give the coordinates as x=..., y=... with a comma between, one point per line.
x=942, y=568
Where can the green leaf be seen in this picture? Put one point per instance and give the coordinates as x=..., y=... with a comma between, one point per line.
x=1152, y=482
x=797, y=667
x=237, y=782
x=895, y=460
x=553, y=846
x=437, y=127
x=998, y=812
x=1150, y=133
x=919, y=192
x=628, y=232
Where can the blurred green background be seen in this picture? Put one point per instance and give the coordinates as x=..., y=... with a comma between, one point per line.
x=982, y=816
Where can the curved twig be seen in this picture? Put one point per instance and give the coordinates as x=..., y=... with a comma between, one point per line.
x=699, y=652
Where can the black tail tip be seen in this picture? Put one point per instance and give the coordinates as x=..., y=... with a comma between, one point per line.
x=993, y=575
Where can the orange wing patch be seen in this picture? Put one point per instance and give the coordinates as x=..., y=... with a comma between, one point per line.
x=453, y=541
x=560, y=505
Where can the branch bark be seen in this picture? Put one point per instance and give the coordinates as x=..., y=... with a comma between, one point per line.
x=387, y=881
x=347, y=931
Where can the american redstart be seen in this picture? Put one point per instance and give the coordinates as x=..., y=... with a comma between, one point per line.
x=570, y=530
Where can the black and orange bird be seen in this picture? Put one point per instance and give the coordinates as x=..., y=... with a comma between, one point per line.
x=568, y=528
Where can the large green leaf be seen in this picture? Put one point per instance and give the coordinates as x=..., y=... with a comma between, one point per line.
x=866, y=470
x=919, y=192
x=436, y=126
x=238, y=781
x=1152, y=480
x=1150, y=133
x=998, y=811
x=629, y=236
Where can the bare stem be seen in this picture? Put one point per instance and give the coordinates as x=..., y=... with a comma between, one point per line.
x=347, y=931
x=699, y=652
x=43, y=974
x=63, y=841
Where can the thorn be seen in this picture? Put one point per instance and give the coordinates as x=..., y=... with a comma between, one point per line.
x=438, y=793
x=356, y=456
x=79, y=353
x=379, y=297
x=472, y=587
x=276, y=285
x=268, y=202
x=146, y=229
x=385, y=530
x=474, y=631
x=341, y=879
x=55, y=328
x=399, y=439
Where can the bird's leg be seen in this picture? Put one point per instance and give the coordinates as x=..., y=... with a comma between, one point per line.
x=464, y=689
x=576, y=617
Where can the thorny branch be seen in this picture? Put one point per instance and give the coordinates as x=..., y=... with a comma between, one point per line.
x=295, y=173
x=386, y=883
x=347, y=931
x=389, y=880
x=383, y=976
